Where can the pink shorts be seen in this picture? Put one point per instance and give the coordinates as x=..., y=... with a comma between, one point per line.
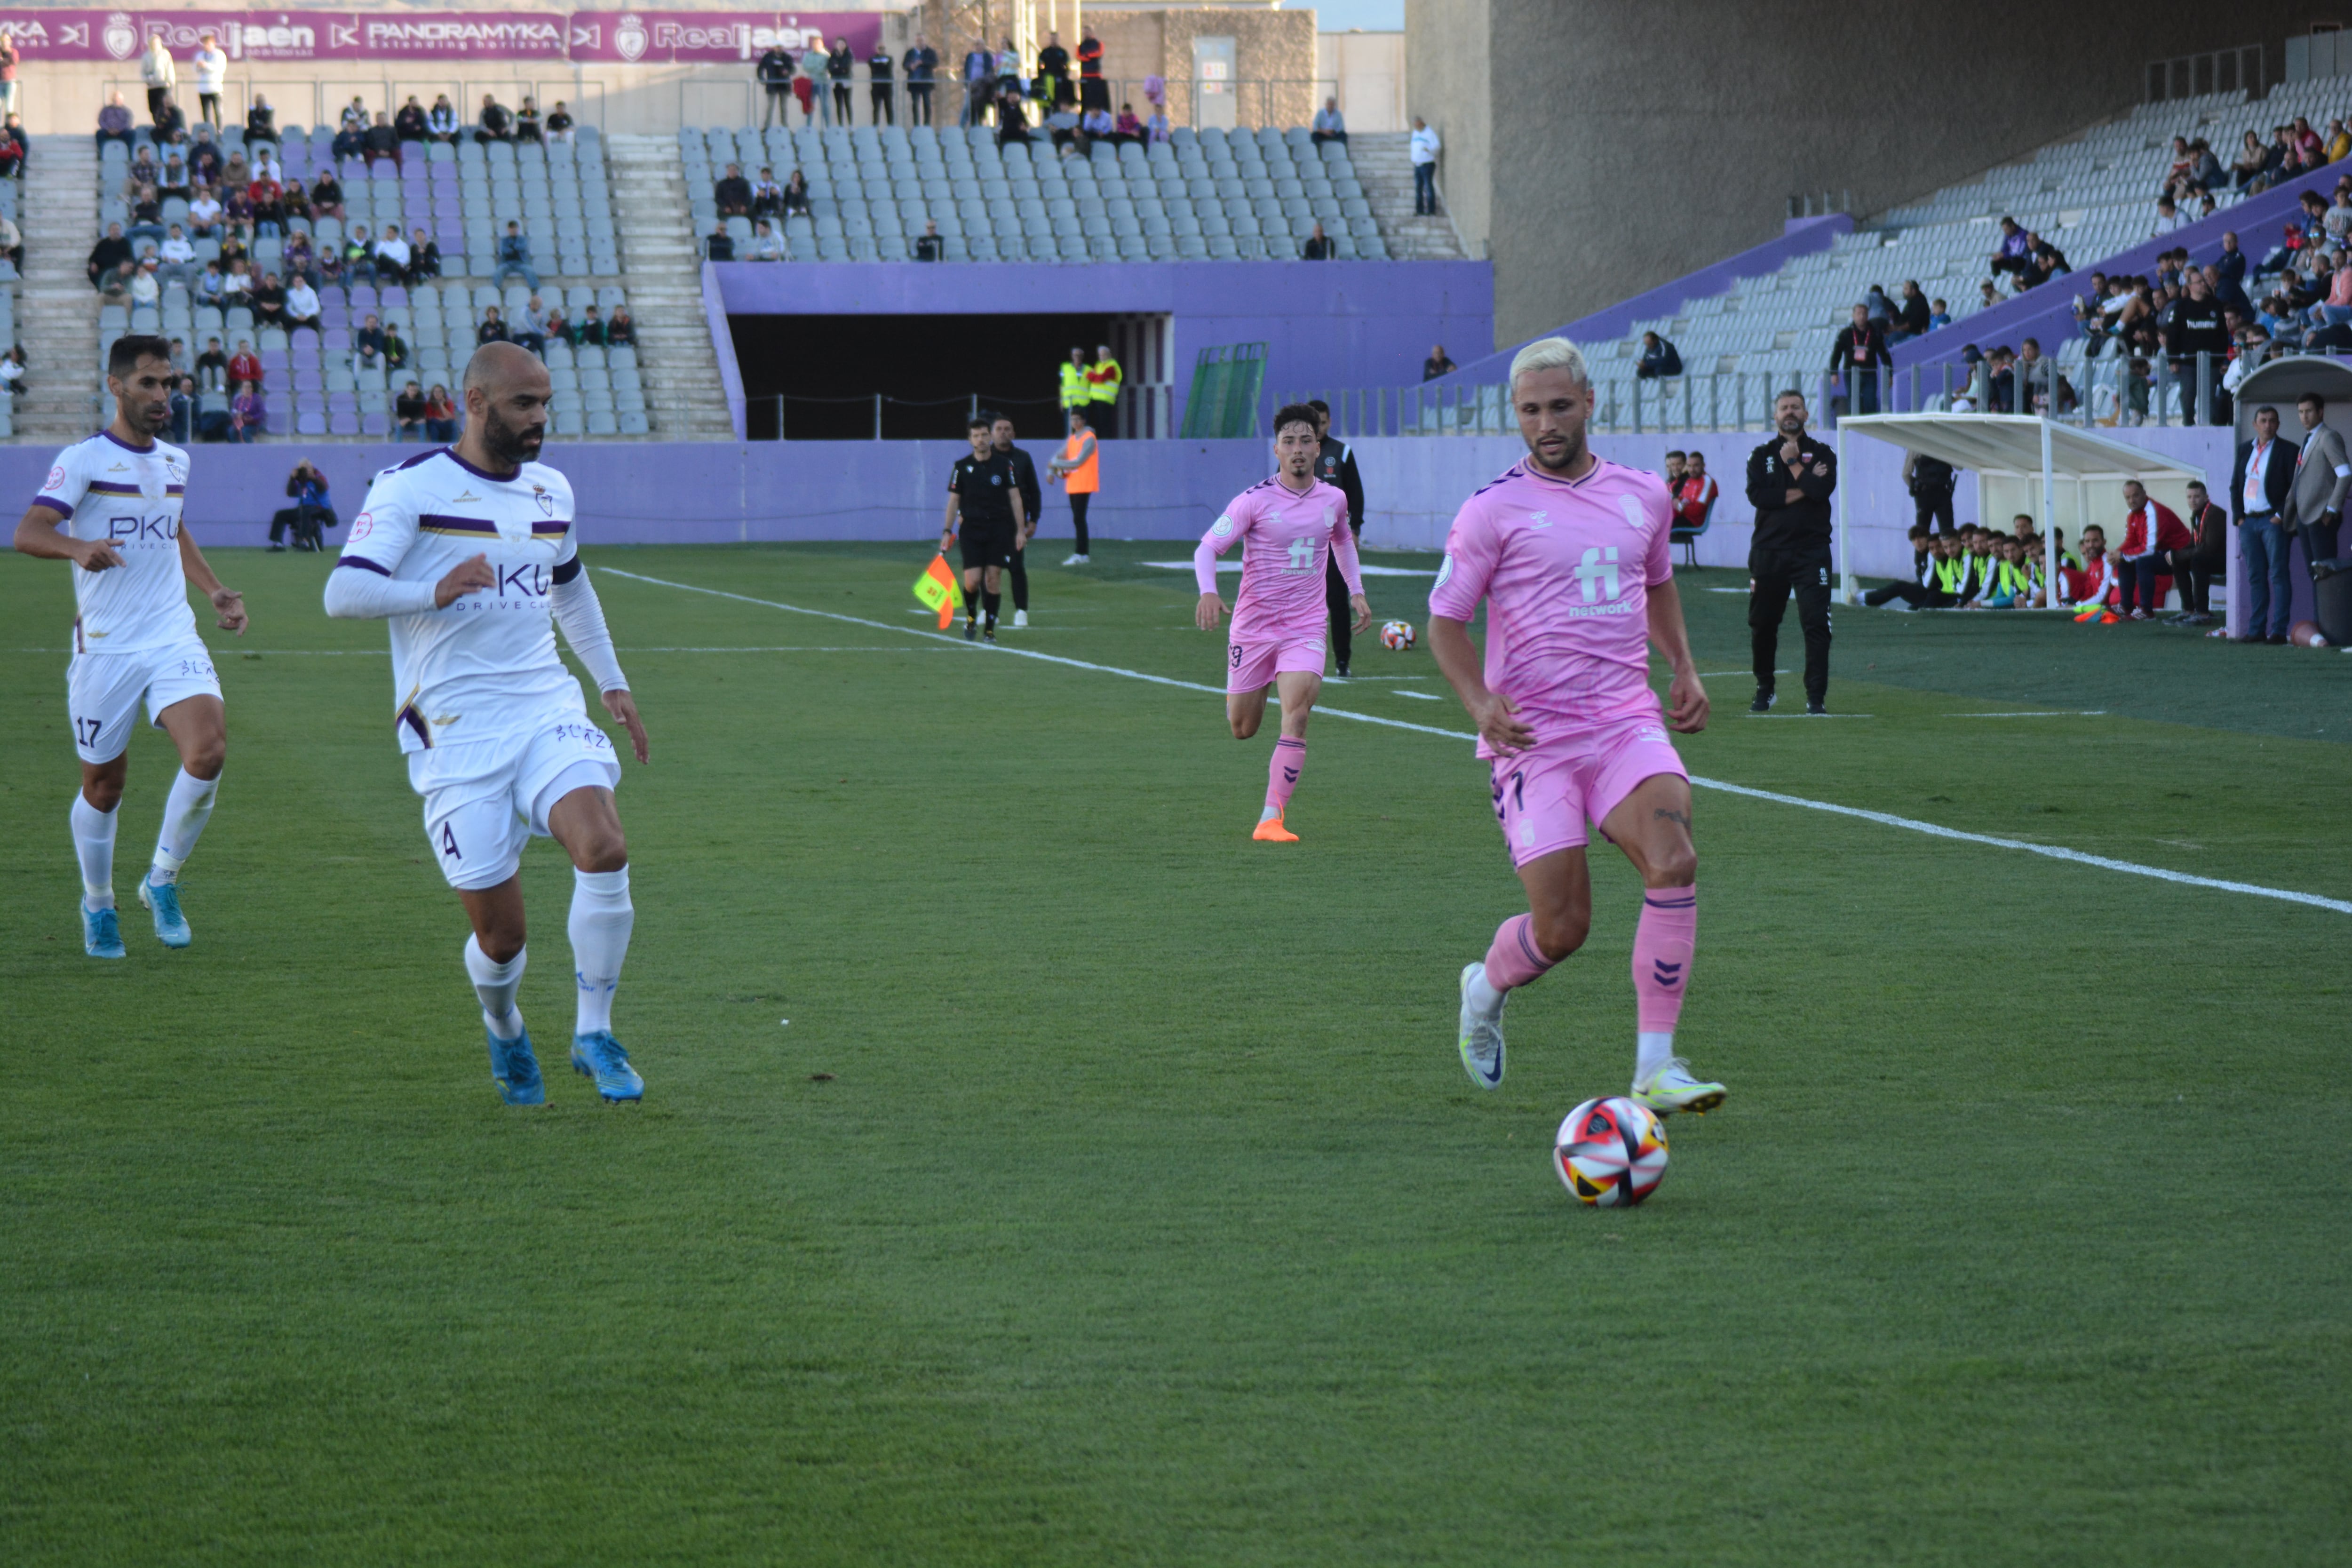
x=1546, y=795
x=1251, y=666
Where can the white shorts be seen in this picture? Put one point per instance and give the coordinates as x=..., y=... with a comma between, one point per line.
x=484, y=801
x=102, y=692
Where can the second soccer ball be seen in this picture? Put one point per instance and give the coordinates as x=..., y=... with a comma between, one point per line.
x=1397, y=634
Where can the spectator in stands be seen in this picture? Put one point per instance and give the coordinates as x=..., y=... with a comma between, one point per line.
x=732, y=191
x=1093, y=94
x=495, y=123
x=1940, y=315
x=2044, y=262
x=2001, y=384
x=351, y=131
x=393, y=257
x=424, y=258
x=408, y=413
x=1695, y=495
x=8, y=61
x=773, y=72
x=1331, y=125
x=840, y=69
x=410, y=125
x=764, y=246
x=114, y=288
x=590, y=329
x=929, y=245
x=1126, y=127
x=108, y=255
x=2152, y=532
x=922, y=66
x=441, y=120
x=2338, y=306
x=2310, y=151
x=260, y=120
x=269, y=302
x=183, y=426
x=327, y=196
x=491, y=329
x=767, y=197
x=527, y=127
x=1054, y=72
x=2226, y=275
x=380, y=140
x=1437, y=364
x=720, y=245
x=205, y=164
x=145, y=287
x=2195, y=568
x=114, y=122
x=146, y=218
x=359, y=255
x=12, y=242
x=160, y=76
x=1156, y=127
x=174, y=180
x=211, y=289
x=531, y=331
x=1858, y=354
x=796, y=195
x=551, y=326
x=2339, y=142
x=368, y=342
x=979, y=82
x=2168, y=217
x=559, y=124
x=1910, y=316
x=1317, y=247
x=514, y=257
x=1423, y=149
x=622, y=329
x=12, y=146
x=212, y=366
x=236, y=283
x=882, y=101
x=440, y=415
x=1094, y=125
x=2197, y=327
x=2252, y=160
x=1659, y=358
x=269, y=207
x=211, y=66
x=203, y=213
x=2011, y=254
x=248, y=416
x=809, y=86
x=1062, y=124
x=245, y=366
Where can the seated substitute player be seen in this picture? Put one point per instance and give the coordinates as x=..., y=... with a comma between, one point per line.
x=112, y=506
x=1570, y=555
x=985, y=488
x=1288, y=527
x=468, y=552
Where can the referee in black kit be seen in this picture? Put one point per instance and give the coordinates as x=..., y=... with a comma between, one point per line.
x=1790, y=480
x=983, y=490
x=1336, y=466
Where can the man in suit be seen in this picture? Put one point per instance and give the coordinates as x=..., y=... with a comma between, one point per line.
x=1335, y=464
x=2259, y=485
x=2315, y=507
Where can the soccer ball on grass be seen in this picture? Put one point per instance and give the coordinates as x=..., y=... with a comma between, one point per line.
x=1397, y=634
x=1611, y=1153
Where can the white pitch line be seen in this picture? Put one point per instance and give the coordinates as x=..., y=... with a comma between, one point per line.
x=1884, y=819
x=2046, y=713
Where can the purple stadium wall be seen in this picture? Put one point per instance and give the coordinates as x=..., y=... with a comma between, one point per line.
x=1326, y=324
x=882, y=490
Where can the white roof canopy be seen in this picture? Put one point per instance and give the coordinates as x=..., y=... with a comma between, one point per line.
x=2012, y=444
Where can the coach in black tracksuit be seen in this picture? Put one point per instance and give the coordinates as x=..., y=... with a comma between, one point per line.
x=1024, y=472
x=1336, y=466
x=1790, y=480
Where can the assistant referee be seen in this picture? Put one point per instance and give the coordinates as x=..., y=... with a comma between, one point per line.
x=1790, y=481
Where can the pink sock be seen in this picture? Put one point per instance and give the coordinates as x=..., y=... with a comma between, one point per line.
x=1514, y=960
x=1282, y=773
x=1661, y=956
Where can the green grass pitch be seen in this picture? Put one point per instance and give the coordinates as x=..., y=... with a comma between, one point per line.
x=1114, y=1195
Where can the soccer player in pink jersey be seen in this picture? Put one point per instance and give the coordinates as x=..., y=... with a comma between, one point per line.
x=1569, y=553
x=1288, y=526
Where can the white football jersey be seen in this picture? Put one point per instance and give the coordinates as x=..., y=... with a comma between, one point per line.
x=130, y=498
x=462, y=673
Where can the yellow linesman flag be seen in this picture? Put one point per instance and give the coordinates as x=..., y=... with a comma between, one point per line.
x=936, y=590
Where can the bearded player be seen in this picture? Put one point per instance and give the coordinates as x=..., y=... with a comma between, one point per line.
x=112, y=506
x=1288, y=526
x=468, y=552
x=1571, y=556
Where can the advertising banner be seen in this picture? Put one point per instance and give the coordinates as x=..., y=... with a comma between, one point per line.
x=627, y=37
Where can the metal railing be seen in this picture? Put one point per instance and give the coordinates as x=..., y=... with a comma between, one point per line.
x=1144, y=413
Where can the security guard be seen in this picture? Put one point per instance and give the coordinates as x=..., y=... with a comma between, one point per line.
x=1335, y=464
x=1078, y=469
x=1076, y=393
x=1033, y=501
x=1102, y=385
x=1790, y=480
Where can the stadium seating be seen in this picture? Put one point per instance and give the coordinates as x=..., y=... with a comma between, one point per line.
x=2092, y=196
x=1211, y=195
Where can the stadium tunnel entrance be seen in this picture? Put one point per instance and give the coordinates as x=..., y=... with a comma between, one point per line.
x=817, y=378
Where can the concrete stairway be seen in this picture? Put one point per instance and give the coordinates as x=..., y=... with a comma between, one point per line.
x=57, y=311
x=663, y=273
x=1384, y=162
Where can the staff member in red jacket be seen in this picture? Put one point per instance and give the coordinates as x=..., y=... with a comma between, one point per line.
x=2152, y=531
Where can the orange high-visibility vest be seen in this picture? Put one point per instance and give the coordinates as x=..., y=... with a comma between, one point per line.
x=1087, y=478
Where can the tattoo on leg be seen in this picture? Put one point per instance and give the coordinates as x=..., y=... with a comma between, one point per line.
x=1683, y=817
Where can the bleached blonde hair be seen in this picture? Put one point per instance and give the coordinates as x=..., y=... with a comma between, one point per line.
x=1550, y=353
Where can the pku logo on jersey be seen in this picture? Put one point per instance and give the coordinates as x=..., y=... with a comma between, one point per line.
x=161, y=529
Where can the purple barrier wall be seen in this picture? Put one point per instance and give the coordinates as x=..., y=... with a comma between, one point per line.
x=1326, y=324
x=2047, y=312
x=723, y=342
x=1803, y=237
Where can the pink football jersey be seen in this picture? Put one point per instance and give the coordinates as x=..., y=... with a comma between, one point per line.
x=1565, y=567
x=1285, y=538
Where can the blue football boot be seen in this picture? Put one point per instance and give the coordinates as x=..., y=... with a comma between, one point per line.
x=162, y=901
x=599, y=1056
x=516, y=1069
x=102, y=934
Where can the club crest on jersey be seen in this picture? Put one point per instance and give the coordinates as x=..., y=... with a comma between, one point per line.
x=1632, y=510
x=546, y=501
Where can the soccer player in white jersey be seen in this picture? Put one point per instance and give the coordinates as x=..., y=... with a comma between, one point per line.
x=112, y=506
x=468, y=552
x=1569, y=553
x=1289, y=526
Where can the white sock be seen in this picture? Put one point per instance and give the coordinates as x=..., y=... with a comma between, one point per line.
x=1650, y=1052
x=184, y=815
x=1484, y=998
x=497, y=983
x=602, y=916
x=93, y=837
